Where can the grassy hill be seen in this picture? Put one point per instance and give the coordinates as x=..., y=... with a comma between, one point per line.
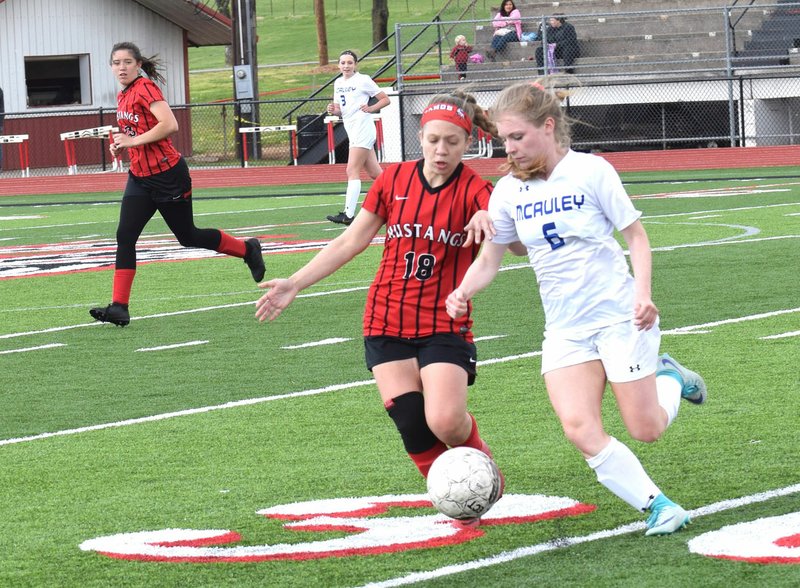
x=287, y=43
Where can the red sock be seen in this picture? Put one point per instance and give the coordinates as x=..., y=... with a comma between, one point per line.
x=474, y=440
x=425, y=460
x=231, y=245
x=123, y=282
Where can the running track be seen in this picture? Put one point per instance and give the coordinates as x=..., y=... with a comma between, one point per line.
x=675, y=159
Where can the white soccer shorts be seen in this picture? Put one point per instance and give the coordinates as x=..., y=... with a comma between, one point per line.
x=361, y=132
x=627, y=353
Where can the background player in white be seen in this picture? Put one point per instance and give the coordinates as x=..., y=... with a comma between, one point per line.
x=351, y=94
x=600, y=322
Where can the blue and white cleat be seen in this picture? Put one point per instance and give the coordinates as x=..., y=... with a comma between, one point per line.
x=666, y=517
x=693, y=387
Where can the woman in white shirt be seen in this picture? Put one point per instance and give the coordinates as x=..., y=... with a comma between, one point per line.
x=351, y=95
x=601, y=325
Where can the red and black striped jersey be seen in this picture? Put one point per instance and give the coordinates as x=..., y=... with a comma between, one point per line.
x=134, y=118
x=423, y=258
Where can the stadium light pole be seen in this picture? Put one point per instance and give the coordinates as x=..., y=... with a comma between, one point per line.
x=245, y=72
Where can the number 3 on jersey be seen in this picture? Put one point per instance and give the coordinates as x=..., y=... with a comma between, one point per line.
x=424, y=266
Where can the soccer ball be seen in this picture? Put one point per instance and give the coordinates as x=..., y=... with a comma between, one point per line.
x=464, y=483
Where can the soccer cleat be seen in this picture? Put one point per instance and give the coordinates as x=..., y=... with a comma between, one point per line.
x=114, y=313
x=254, y=259
x=693, y=387
x=468, y=523
x=341, y=218
x=502, y=485
x=473, y=522
x=666, y=517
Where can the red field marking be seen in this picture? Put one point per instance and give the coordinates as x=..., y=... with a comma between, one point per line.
x=628, y=161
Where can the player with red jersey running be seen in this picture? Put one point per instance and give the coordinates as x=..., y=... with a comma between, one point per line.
x=435, y=214
x=158, y=180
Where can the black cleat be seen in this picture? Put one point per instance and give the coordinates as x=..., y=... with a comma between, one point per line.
x=114, y=313
x=254, y=259
x=341, y=218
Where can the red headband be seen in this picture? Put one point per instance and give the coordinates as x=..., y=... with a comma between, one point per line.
x=448, y=113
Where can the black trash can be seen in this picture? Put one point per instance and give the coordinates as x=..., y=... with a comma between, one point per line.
x=310, y=130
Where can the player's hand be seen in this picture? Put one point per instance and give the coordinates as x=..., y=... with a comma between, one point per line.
x=280, y=293
x=456, y=304
x=645, y=314
x=478, y=228
x=121, y=141
x=331, y=108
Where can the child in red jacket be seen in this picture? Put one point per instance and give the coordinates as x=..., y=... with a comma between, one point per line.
x=460, y=55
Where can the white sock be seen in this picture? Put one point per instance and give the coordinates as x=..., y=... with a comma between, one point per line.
x=669, y=396
x=351, y=197
x=619, y=470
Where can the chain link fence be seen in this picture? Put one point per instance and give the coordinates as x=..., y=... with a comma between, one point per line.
x=701, y=77
x=646, y=80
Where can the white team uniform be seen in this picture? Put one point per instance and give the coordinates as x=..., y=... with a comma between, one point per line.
x=351, y=95
x=567, y=223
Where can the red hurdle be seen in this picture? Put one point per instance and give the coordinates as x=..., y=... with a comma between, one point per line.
x=93, y=133
x=331, y=120
x=24, y=155
x=292, y=138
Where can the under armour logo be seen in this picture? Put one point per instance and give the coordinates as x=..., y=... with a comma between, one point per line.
x=634, y=368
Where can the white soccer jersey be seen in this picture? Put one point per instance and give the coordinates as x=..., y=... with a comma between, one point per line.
x=567, y=223
x=353, y=93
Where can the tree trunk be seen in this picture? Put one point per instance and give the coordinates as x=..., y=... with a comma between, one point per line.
x=380, y=23
x=322, y=35
x=224, y=8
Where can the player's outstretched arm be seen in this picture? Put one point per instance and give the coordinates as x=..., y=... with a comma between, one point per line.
x=479, y=275
x=280, y=295
x=281, y=292
x=479, y=228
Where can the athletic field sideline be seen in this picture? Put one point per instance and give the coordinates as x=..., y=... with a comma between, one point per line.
x=628, y=161
x=197, y=447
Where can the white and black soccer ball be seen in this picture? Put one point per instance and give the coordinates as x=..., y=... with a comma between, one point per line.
x=464, y=483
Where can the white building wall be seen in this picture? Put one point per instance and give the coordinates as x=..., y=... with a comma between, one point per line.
x=30, y=28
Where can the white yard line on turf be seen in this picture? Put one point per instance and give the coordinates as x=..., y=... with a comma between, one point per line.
x=489, y=337
x=731, y=321
x=190, y=411
x=331, y=341
x=677, y=331
x=174, y=346
x=782, y=335
x=563, y=542
x=37, y=348
x=233, y=404
x=176, y=313
x=221, y=212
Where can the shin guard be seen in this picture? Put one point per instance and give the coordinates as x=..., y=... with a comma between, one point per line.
x=408, y=413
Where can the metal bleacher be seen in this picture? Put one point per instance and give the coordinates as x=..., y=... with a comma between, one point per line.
x=632, y=38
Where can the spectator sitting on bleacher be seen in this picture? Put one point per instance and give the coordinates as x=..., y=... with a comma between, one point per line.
x=507, y=25
x=561, y=34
